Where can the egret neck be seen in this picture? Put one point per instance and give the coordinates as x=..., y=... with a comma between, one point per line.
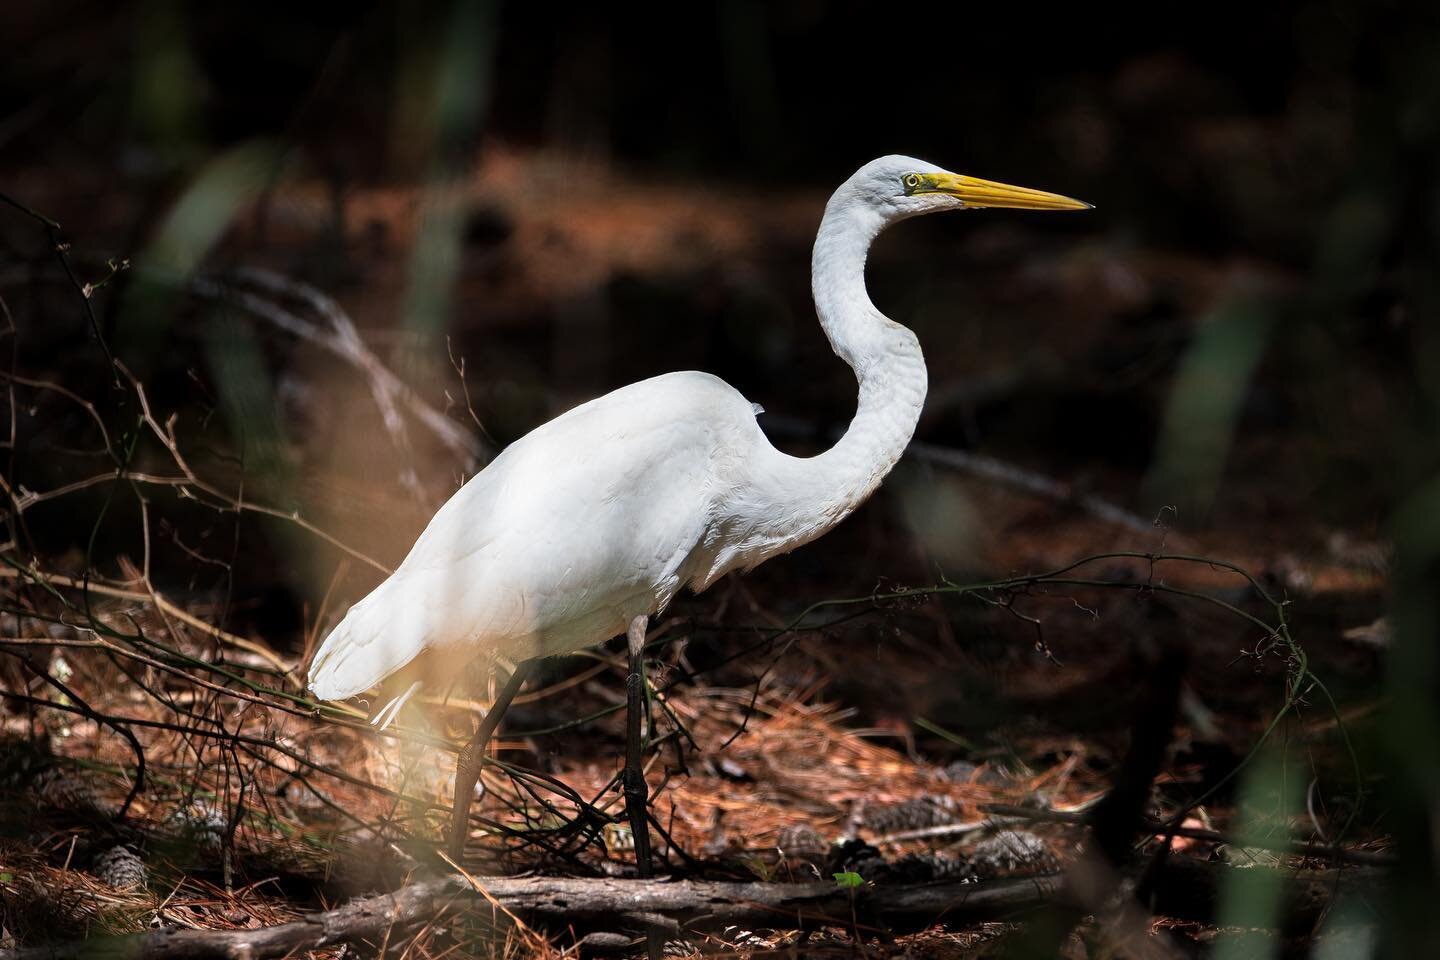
x=801, y=498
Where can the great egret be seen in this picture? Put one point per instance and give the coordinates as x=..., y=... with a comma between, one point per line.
x=588, y=525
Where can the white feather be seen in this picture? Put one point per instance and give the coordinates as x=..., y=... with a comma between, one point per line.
x=388, y=713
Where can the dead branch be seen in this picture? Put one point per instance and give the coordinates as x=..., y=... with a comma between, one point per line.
x=1187, y=890
x=1028, y=481
x=343, y=340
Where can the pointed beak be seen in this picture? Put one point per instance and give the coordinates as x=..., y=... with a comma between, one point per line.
x=975, y=192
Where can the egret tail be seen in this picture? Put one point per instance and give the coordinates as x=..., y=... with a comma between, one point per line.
x=380, y=634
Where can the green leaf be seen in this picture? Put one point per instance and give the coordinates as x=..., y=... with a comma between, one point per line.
x=849, y=879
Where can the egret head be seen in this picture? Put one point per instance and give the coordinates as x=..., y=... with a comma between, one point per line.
x=899, y=187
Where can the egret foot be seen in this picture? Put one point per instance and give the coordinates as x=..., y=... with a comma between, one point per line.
x=472, y=758
x=637, y=792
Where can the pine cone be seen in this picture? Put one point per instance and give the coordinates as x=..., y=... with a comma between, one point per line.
x=802, y=842
x=121, y=868
x=201, y=825
x=68, y=790
x=1011, y=850
x=914, y=814
x=925, y=867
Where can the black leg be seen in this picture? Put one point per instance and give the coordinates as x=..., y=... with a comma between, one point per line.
x=472, y=756
x=637, y=792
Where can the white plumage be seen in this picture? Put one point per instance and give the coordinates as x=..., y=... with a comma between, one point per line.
x=604, y=513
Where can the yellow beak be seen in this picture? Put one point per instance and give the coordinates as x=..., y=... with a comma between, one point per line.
x=987, y=193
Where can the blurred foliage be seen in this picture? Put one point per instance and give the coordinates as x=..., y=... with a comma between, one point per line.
x=1204, y=407
x=1269, y=797
x=439, y=107
x=247, y=399
x=1412, y=723
x=167, y=83
x=204, y=212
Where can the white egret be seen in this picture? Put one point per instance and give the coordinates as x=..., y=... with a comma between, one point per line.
x=591, y=523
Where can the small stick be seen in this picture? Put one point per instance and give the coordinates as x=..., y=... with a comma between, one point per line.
x=935, y=832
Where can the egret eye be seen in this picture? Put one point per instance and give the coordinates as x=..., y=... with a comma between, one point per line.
x=911, y=181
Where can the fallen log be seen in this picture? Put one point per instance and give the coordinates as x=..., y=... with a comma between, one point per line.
x=679, y=905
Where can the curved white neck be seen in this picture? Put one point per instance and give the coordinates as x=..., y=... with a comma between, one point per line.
x=885, y=356
x=794, y=500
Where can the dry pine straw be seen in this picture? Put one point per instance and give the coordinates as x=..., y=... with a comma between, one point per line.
x=794, y=763
x=46, y=902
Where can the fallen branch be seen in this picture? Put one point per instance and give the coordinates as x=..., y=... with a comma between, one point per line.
x=343, y=340
x=1186, y=890
x=1029, y=481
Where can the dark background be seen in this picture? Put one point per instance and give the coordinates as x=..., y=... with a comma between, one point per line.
x=1292, y=142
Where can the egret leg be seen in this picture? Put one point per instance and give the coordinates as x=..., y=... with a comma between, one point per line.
x=637, y=792
x=472, y=756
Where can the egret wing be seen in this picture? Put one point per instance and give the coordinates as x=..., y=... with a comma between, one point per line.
x=575, y=529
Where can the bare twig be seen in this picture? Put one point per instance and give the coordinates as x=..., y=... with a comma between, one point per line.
x=62, y=253
x=100, y=718
x=190, y=620
x=166, y=436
